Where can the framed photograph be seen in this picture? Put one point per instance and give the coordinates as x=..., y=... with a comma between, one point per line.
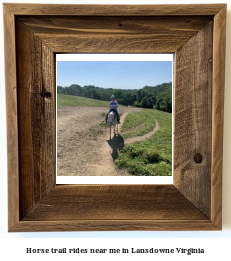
x=34, y=34
x=91, y=150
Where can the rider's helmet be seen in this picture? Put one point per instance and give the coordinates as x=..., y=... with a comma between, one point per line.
x=113, y=97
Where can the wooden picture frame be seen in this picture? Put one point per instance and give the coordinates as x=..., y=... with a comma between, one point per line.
x=33, y=34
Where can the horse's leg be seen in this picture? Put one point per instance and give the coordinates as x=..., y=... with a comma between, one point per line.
x=110, y=132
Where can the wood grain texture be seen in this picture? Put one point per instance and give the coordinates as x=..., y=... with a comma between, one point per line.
x=115, y=208
x=113, y=202
x=115, y=10
x=194, y=201
x=36, y=105
x=115, y=34
x=12, y=114
x=114, y=225
x=218, y=114
x=193, y=126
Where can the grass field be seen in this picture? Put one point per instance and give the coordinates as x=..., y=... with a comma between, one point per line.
x=69, y=100
x=137, y=124
x=152, y=157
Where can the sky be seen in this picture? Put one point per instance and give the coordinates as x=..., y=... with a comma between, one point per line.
x=113, y=74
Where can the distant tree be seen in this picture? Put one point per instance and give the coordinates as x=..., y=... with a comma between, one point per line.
x=144, y=102
x=137, y=104
x=158, y=97
x=139, y=96
x=158, y=104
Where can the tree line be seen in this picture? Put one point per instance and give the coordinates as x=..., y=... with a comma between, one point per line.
x=158, y=97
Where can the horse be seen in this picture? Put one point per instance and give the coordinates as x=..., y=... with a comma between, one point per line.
x=112, y=121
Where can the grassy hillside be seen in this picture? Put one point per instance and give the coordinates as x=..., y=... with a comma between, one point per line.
x=152, y=157
x=158, y=97
x=137, y=124
x=69, y=100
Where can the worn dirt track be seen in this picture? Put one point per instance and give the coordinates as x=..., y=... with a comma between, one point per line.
x=83, y=146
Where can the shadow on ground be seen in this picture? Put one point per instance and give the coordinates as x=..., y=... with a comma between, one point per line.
x=116, y=144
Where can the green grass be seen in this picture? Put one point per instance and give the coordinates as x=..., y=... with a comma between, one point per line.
x=152, y=157
x=69, y=100
x=137, y=124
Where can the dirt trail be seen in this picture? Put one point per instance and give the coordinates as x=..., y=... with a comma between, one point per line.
x=145, y=136
x=81, y=146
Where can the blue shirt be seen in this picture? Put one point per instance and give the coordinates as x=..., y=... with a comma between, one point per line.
x=113, y=104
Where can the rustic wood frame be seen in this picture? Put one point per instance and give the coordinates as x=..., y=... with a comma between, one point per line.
x=33, y=34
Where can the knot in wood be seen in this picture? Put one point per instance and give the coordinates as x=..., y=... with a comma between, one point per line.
x=198, y=158
x=45, y=94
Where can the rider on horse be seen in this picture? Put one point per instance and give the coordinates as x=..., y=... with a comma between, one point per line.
x=113, y=107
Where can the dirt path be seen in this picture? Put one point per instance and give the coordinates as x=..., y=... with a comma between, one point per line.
x=145, y=136
x=83, y=146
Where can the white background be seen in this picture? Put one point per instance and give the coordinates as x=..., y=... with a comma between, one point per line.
x=216, y=244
